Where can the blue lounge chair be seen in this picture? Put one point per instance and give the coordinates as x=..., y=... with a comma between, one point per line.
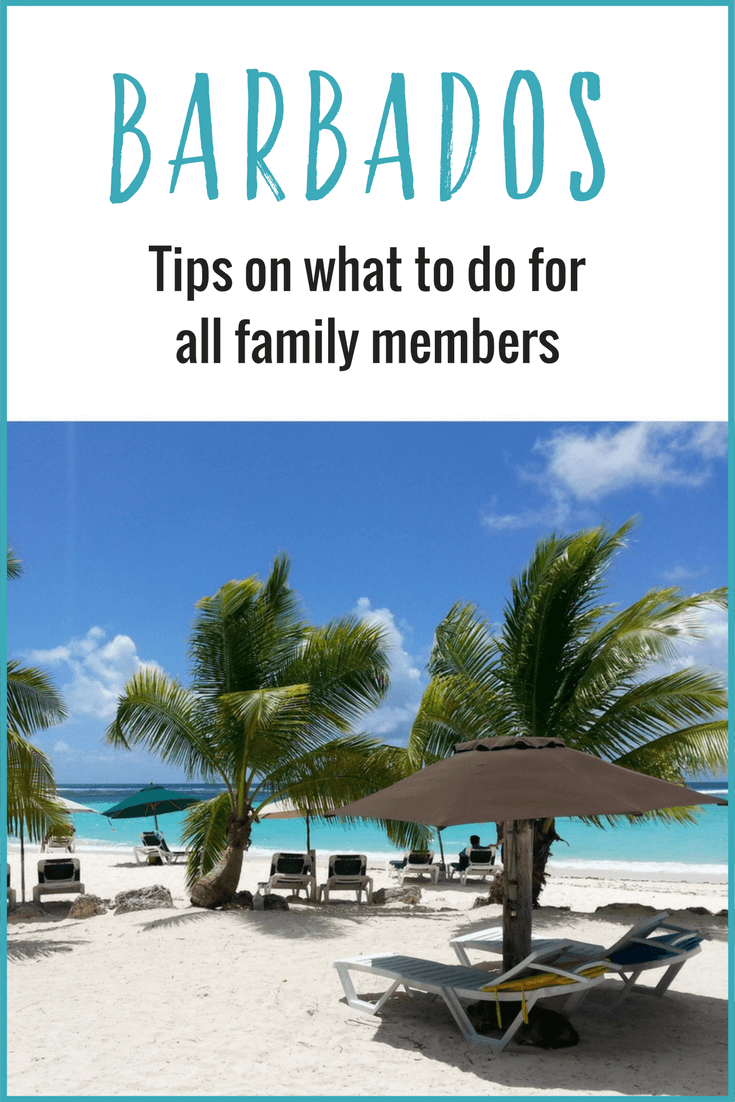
x=641, y=949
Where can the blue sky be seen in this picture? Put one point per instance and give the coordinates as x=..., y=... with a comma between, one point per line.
x=123, y=527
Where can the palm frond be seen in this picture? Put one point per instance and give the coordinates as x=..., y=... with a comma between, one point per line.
x=34, y=704
x=31, y=789
x=15, y=566
x=204, y=832
x=160, y=715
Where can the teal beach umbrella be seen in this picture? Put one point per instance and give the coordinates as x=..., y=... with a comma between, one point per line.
x=151, y=800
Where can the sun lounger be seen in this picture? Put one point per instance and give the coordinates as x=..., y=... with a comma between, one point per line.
x=154, y=850
x=481, y=863
x=294, y=871
x=11, y=894
x=57, y=876
x=417, y=864
x=65, y=843
x=347, y=873
x=537, y=977
x=642, y=948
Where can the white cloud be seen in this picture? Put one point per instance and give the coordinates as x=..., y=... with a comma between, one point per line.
x=98, y=671
x=711, y=649
x=681, y=574
x=589, y=465
x=407, y=683
x=581, y=466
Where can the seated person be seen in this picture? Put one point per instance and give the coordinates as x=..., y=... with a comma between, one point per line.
x=464, y=856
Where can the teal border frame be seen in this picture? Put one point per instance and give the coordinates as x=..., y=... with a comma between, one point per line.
x=730, y=5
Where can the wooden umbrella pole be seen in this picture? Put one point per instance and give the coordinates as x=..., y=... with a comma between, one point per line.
x=518, y=856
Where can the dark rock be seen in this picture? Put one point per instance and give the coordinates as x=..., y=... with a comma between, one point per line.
x=636, y=908
x=698, y=910
x=272, y=902
x=143, y=899
x=86, y=906
x=722, y=914
x=27, y=912
x=241, y=901
x=408, y=895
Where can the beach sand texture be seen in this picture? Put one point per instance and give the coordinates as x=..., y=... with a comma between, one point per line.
x=188, y=1002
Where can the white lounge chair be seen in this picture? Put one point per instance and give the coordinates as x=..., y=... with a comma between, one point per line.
x=65, y=843
x=639, y=950
x=534, y=978
x=294, y=871
x=347, y=873
x=154, y=847
x=57, y=876
x=417, y=864
x=481, y=863
x=11, y=893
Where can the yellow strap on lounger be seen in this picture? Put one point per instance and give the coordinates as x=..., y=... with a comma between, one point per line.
x=542, y=979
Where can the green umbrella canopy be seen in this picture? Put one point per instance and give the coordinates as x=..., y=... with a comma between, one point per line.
x=151, y=800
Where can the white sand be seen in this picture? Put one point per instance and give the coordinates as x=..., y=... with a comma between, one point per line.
x=192, y=1002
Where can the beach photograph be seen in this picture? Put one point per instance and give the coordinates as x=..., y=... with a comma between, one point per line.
x=372, y=759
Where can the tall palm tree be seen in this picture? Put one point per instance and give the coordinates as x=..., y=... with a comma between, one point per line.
x=33, y=704
x=565, y=663
x=268, y=713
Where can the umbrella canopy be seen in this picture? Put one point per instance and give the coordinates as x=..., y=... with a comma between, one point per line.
x=73, y=807
x=520, y=779
x=151, y=800
x=287, y=809
x=495, y=780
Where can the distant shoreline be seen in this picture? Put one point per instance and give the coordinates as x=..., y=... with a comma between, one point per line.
x=665, y=872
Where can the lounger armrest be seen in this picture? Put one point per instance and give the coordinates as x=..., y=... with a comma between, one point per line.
x=684, y=930
x=555, y=970
x=665, y=946
x=533, y=959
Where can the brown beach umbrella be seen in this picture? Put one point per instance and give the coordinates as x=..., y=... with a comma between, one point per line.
x=287, y=809
x=513, y=781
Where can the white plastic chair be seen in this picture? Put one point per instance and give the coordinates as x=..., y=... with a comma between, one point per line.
x=417, y=864
x=347, y=873
x=154, y=845
x=58, y=876
x=481, y=863
x=294, y=871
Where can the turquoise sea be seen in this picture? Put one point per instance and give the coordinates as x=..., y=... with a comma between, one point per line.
x=630, y=850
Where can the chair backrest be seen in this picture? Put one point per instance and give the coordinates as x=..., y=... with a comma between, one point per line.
x=53, y=870
x=643, y=928
x=420, y=858
x=291, y=864
x=347, y=864
x=483, y=856
x=58, y=841
x=8, y=874
x=153, y=838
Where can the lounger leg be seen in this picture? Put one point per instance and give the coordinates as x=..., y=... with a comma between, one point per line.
x=353, y=998
x=663, y=984
x=462, y=954
x=468, y=1030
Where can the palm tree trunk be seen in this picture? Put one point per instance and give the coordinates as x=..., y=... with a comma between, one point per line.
x=219, y=886
x=544, y=835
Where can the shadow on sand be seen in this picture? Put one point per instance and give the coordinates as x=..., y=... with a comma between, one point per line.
x=675, y=1045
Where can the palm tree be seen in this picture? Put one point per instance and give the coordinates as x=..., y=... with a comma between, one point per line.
x=565, y=664
x=33, y=705
x=271, y=702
